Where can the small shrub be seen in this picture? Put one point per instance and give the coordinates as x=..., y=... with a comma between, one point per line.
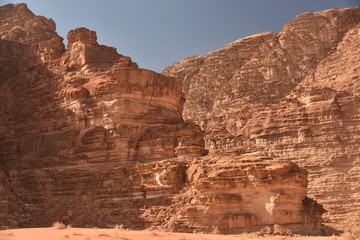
x=215, y=230
x=59, y=225
x=117, y=226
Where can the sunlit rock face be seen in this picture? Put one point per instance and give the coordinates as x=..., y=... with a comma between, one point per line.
x=91, y=139
x=234, y=194
x=292, y=95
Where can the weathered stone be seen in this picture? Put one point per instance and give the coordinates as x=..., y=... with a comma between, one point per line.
x=31, y=30
x=83, y=36
x=232, y=194
x=291, y=95
x=90, y=139
x=73, y=128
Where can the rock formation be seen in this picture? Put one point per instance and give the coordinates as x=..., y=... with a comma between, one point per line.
x=90, y=139
x=291, y=95
x=232, y=194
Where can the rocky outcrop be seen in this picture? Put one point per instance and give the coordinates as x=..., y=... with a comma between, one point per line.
x=74, y=125
x=232, y=194
x=290, y=95
x=91, y=139
x=30, y=29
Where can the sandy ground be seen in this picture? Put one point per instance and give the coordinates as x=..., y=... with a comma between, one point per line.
x=120, y=234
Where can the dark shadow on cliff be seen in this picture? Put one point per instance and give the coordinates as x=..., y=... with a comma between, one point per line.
x=48, y=181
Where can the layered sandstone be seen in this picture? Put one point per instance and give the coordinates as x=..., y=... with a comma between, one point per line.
x=91, y=139
x=290, y=95
x=74, y=125
x=233, y=194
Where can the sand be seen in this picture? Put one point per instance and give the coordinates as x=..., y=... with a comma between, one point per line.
x=121, y=234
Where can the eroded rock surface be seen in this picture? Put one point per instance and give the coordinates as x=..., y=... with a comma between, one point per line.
x=91, y=139
x=290, y=95
x=74, y=125
x=232, y=194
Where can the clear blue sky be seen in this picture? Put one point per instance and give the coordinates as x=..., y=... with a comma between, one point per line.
x=156, y=33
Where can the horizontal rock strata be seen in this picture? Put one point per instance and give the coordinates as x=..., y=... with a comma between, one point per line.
x=232, y=194
x=290, y=95
x=91, y=139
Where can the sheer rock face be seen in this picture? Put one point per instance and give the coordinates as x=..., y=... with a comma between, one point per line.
x=292, y=95
x=90, y=139
x=74, y=126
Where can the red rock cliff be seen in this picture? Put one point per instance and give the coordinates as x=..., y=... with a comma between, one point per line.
x=291, y=95
x=90, y=139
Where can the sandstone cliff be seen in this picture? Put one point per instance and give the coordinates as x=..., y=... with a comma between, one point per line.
x=232, y=194
x=292, y=95
x=91, y=139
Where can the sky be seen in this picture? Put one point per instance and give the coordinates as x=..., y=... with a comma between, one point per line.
x=157, y=33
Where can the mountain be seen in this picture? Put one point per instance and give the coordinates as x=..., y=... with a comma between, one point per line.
x=292, y=95
x=90, y=139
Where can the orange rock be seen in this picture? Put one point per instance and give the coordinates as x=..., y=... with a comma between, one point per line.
x=78, y=124
x=89, y=138
x=82, y=35
x=291, y=95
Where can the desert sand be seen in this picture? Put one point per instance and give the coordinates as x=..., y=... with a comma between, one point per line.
x=121, y=234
